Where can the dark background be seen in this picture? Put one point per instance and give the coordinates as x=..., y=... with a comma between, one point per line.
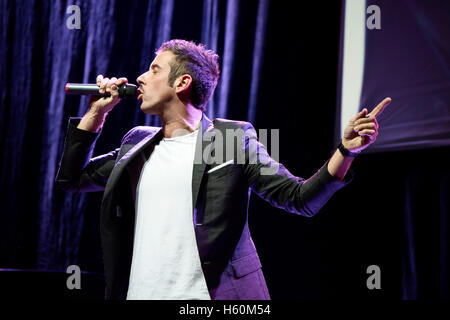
x=393, y=214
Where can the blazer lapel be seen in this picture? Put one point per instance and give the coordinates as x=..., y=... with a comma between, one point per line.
x=207, y=130
x=129, y=156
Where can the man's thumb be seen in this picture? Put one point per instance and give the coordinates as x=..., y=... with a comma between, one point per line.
x=361, y=114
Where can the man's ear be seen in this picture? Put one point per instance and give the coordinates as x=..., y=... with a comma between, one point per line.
x=183, y=83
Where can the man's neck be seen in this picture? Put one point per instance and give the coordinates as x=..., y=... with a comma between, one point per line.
x=180, y=120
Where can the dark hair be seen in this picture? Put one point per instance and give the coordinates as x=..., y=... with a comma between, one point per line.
x=201, y=64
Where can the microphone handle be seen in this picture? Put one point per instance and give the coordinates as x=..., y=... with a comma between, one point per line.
x=126, y=90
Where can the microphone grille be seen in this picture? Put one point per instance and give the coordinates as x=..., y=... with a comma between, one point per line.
x=128, y=91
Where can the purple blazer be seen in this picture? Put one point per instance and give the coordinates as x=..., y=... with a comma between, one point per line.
x=220, y=199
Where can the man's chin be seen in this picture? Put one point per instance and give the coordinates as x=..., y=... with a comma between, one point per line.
x=148, y=109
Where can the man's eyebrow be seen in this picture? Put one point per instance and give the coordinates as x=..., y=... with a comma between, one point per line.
x=153, y=66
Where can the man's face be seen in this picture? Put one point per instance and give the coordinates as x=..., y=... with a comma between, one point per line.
x=154, y=89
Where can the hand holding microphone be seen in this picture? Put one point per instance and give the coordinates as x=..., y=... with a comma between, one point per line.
x=105, y=104
x=100, y=106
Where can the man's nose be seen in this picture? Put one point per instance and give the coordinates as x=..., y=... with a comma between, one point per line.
x=139, y=80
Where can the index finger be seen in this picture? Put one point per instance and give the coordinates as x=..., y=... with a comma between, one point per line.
x=380, y=107
x=99, y=79
x=121, y=81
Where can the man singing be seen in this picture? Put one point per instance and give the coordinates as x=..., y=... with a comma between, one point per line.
x=173, y=223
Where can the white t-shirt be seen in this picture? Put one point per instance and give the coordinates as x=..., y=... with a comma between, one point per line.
x=166, y=263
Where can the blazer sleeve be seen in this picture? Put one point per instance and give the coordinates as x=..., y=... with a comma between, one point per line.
x=271, y=181
x=77, y=172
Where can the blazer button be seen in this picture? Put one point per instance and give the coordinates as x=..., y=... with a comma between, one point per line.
x=118, y=212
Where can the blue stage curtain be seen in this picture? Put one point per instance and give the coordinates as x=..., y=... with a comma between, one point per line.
x=40, y=53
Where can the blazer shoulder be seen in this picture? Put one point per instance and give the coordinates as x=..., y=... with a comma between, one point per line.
x=138, y=133
x=232, y=124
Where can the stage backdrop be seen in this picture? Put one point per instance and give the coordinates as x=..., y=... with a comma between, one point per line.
x=399, y=49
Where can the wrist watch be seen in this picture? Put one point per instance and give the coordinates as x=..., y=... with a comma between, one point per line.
x=345, y=152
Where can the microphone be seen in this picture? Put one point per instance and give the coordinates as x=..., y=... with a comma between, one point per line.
x=126, y=90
